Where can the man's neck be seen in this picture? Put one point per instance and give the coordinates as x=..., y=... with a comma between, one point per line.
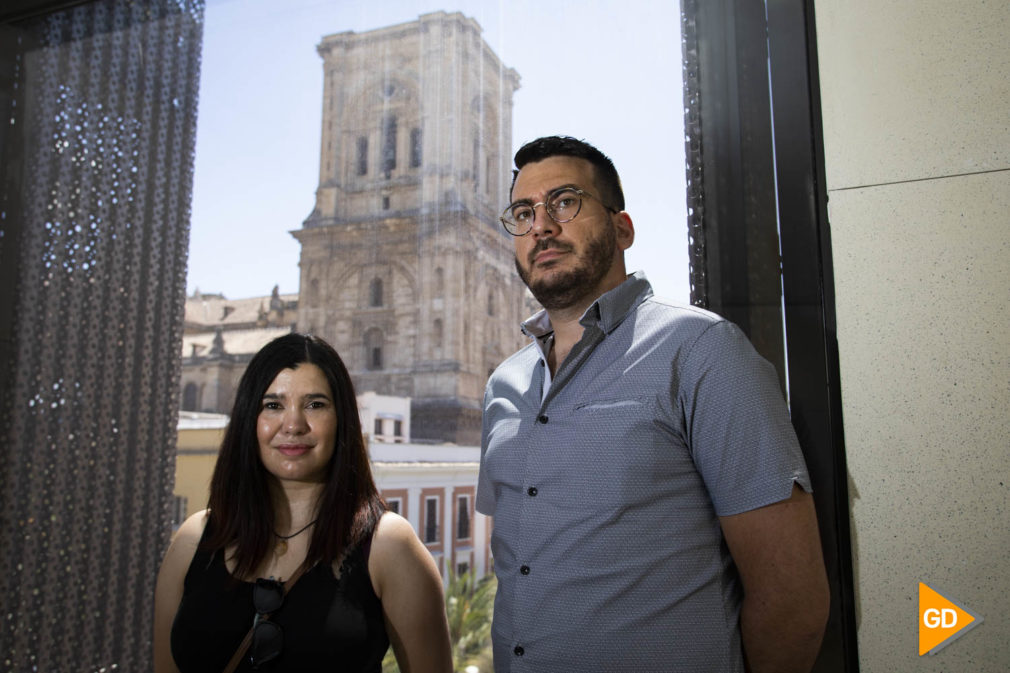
x=565, y=322
x=566, y=334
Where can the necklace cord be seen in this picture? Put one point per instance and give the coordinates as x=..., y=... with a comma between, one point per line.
x=297, y=532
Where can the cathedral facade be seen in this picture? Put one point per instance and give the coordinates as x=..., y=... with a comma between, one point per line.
x=404, y=266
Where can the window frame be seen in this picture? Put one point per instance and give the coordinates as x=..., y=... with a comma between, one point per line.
x=761, y=250
x=463, y=506
x=427, y=529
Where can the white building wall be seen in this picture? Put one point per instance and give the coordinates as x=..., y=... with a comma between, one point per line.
x=418, y=468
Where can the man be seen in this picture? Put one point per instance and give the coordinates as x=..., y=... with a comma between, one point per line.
x=652, y=510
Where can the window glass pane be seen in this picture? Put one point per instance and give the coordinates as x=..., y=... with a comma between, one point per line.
x=431, y=520
x=463, y=518
x=287, y=197
x=291, y=139
x=362, y=155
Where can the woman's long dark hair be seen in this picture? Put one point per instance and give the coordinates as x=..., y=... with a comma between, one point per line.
x=241, y=510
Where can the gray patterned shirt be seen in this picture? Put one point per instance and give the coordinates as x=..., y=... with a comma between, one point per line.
x=606, y=486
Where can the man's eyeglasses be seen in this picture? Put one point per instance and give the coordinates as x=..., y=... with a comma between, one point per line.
x=267, y=637
x=561, y=205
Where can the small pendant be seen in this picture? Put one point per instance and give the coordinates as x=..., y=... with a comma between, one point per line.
x=281, y=548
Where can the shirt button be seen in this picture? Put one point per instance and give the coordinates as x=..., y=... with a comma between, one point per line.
x=542, y=419
x=525, y=570
x=518, y=650
x=532, y=491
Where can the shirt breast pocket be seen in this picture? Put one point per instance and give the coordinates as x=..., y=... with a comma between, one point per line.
x=622, y=454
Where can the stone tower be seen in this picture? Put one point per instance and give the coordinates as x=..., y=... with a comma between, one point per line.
x=405, y=268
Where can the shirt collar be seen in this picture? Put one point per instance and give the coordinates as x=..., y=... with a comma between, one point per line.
x=607, y=312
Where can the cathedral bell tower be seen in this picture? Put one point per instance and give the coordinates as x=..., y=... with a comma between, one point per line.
x=405, y=268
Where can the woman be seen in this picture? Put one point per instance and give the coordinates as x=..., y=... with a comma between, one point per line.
x=292, y=492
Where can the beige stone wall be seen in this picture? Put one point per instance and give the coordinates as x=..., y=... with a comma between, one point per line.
x=917, y=149
x=216, y=379
x=194, y=465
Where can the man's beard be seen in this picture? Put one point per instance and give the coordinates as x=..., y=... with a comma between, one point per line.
x=559, y=291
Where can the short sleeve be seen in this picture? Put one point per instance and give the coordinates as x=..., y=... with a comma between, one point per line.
x=485, y=500
x=738, y=427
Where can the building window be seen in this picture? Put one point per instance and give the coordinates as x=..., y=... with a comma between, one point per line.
x=463, y=517
x=362, y=155
x=439, y=283
x=190, y=397
x=430, y=520
x=462, y=568
x=476, y=165
x=385, y=203
x=373, y=348
x=398, y=428
x=375, y=292
x=393, y=505
x=437, y=333
x=377, y=427
x=490, y=302
x=313, y=297
x=388, y=145
x=415, y=148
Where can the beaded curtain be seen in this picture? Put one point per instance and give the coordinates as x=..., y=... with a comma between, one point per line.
x=692, y=152
x=97, y=174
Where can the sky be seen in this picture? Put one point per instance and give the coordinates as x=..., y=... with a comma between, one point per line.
x=260, y=110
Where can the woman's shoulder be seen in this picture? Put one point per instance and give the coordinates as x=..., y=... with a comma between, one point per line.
x=192, y=529
x=391, y=528
x=187, y=539
x=194, y=525
x=395, y=536
x=179, y=556
x=395, y=546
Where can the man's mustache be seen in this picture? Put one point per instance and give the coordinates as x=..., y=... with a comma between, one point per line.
x=547, y=244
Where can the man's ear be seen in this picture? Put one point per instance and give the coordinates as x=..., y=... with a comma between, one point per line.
x=625, y=230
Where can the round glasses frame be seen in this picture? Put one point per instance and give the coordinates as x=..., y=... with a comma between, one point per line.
x=517, y=228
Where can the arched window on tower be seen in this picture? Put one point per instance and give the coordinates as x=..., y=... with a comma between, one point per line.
x=373, y=348
x=490, y=302
x=313, y=298
x=476, y=165
x=436, y=337
x=439, y=283
x=375, y=292
x=415, y=148
x=388, y=144
x=362, y=162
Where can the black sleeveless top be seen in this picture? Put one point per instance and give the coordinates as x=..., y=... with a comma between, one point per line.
x=329, y=623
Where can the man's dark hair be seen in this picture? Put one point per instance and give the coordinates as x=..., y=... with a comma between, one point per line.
x=607, y=179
